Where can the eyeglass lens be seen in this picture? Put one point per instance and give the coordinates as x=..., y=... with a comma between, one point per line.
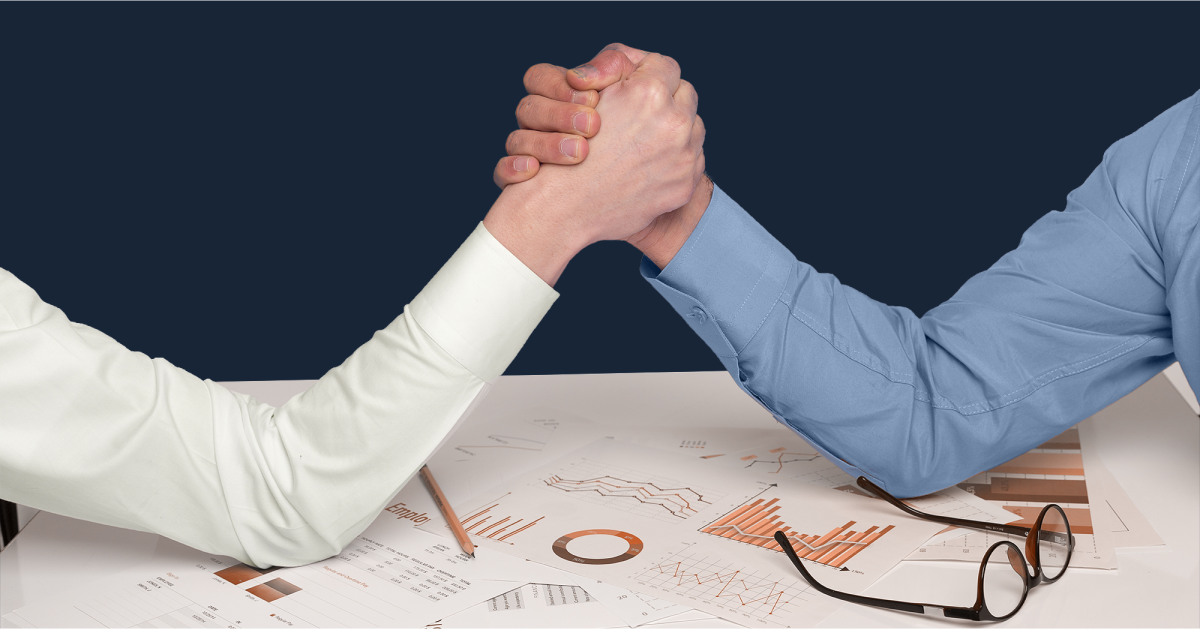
x=1053, y=543
x=1004, y=580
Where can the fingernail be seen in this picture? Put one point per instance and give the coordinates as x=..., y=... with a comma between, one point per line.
x=586, y=71
x=521, y=164
x=578, y=98
x=569, y=147
x=582, y=122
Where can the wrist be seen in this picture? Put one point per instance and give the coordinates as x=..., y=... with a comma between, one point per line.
x=526, y=221
x=661, y=245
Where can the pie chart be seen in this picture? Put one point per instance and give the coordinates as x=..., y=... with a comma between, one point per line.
x=635, y=547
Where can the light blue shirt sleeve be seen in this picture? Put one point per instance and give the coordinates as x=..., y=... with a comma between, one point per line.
x=1096, y=300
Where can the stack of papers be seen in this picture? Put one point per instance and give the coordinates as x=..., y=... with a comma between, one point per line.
x=582, y=525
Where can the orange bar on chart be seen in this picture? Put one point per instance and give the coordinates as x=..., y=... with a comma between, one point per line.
x=826, y=537
x=494, y=524
x=746, y=520
x=763, y=512
x=820, y=554
x=753, y=528
x=829, y=557
x=521, y=529
x=505, y=527
x=837, y=552
x=479, y=514
x=753, y=534
x=801, y=544
x=858, y=549
x=731, y=516
x=768, y=541
x=767, y=527
x=750, y=513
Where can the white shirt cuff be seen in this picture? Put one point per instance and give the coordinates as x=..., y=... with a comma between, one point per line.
x=482, y=305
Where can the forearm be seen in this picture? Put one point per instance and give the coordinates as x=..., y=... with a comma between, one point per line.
x=533, y=224
x=95, y=431
x=918, y=404
x=365, y=428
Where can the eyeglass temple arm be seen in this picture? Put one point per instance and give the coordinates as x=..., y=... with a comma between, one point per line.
x=901, y=606
x=1013, y=529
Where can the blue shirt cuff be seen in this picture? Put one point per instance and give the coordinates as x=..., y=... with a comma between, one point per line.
x=726, y=278
x=725, y=281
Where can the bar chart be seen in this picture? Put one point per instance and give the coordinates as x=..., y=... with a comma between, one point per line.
x=1054, y=472
x=756, y=523
x=491, y=525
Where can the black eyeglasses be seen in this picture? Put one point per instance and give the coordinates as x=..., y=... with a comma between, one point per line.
x=1004, y=578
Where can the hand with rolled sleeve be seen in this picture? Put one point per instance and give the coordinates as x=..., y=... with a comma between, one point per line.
x=1097, y=299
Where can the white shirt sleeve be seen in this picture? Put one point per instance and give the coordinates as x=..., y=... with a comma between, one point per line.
x=94, y=431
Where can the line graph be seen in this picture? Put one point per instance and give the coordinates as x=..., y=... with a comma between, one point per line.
x=755, y=524
x=680, y=502
x=726, y=585
x=775, y=465
x=534, y=435
x=630, y=491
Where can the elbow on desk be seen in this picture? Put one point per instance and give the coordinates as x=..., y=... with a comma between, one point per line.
x=266, y=547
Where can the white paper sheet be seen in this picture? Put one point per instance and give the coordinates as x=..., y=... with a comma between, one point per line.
x=410, y=579
x=654, y=522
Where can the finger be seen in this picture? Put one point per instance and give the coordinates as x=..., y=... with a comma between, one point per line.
x=607, y=68
x=635, y=55
x=687, y=97
x=661, y=68
x=543, y=114
x=550, y=81
x=514, y=170
x=548, y=148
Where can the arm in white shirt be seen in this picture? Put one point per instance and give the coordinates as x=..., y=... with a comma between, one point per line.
x=95, y=431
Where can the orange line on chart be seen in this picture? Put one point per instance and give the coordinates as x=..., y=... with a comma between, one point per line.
x=731, y=579
x=632, y=485
x=779, y=459
x=509, y=447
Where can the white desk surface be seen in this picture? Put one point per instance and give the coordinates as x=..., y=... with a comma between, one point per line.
x=1150, y=441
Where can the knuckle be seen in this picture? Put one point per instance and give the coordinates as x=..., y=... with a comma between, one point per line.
x=511, y=144
x=678, y=123
x=552, y=84
x=534, y=75
x=689, y=90
x=530, y=76
x=650, y=91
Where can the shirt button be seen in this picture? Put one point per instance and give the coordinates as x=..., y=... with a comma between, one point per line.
x=699, y=314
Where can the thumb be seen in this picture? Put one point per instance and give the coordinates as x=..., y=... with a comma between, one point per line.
x=607, y=68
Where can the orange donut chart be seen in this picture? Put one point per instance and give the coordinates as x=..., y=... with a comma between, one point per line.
x=635, y=546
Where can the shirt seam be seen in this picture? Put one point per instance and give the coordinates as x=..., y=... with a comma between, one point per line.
x=1192, y=122
x=417, y=321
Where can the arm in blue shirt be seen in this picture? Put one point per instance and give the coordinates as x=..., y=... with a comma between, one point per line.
x=1081, y=313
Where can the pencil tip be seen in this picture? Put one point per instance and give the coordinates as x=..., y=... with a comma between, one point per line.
x=472, y=555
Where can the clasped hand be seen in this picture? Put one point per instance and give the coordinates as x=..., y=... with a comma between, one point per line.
x=573, y=183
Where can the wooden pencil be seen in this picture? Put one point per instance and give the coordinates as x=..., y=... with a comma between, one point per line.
x=460, y=533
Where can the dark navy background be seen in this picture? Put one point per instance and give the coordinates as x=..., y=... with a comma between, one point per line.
x=250, y=190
